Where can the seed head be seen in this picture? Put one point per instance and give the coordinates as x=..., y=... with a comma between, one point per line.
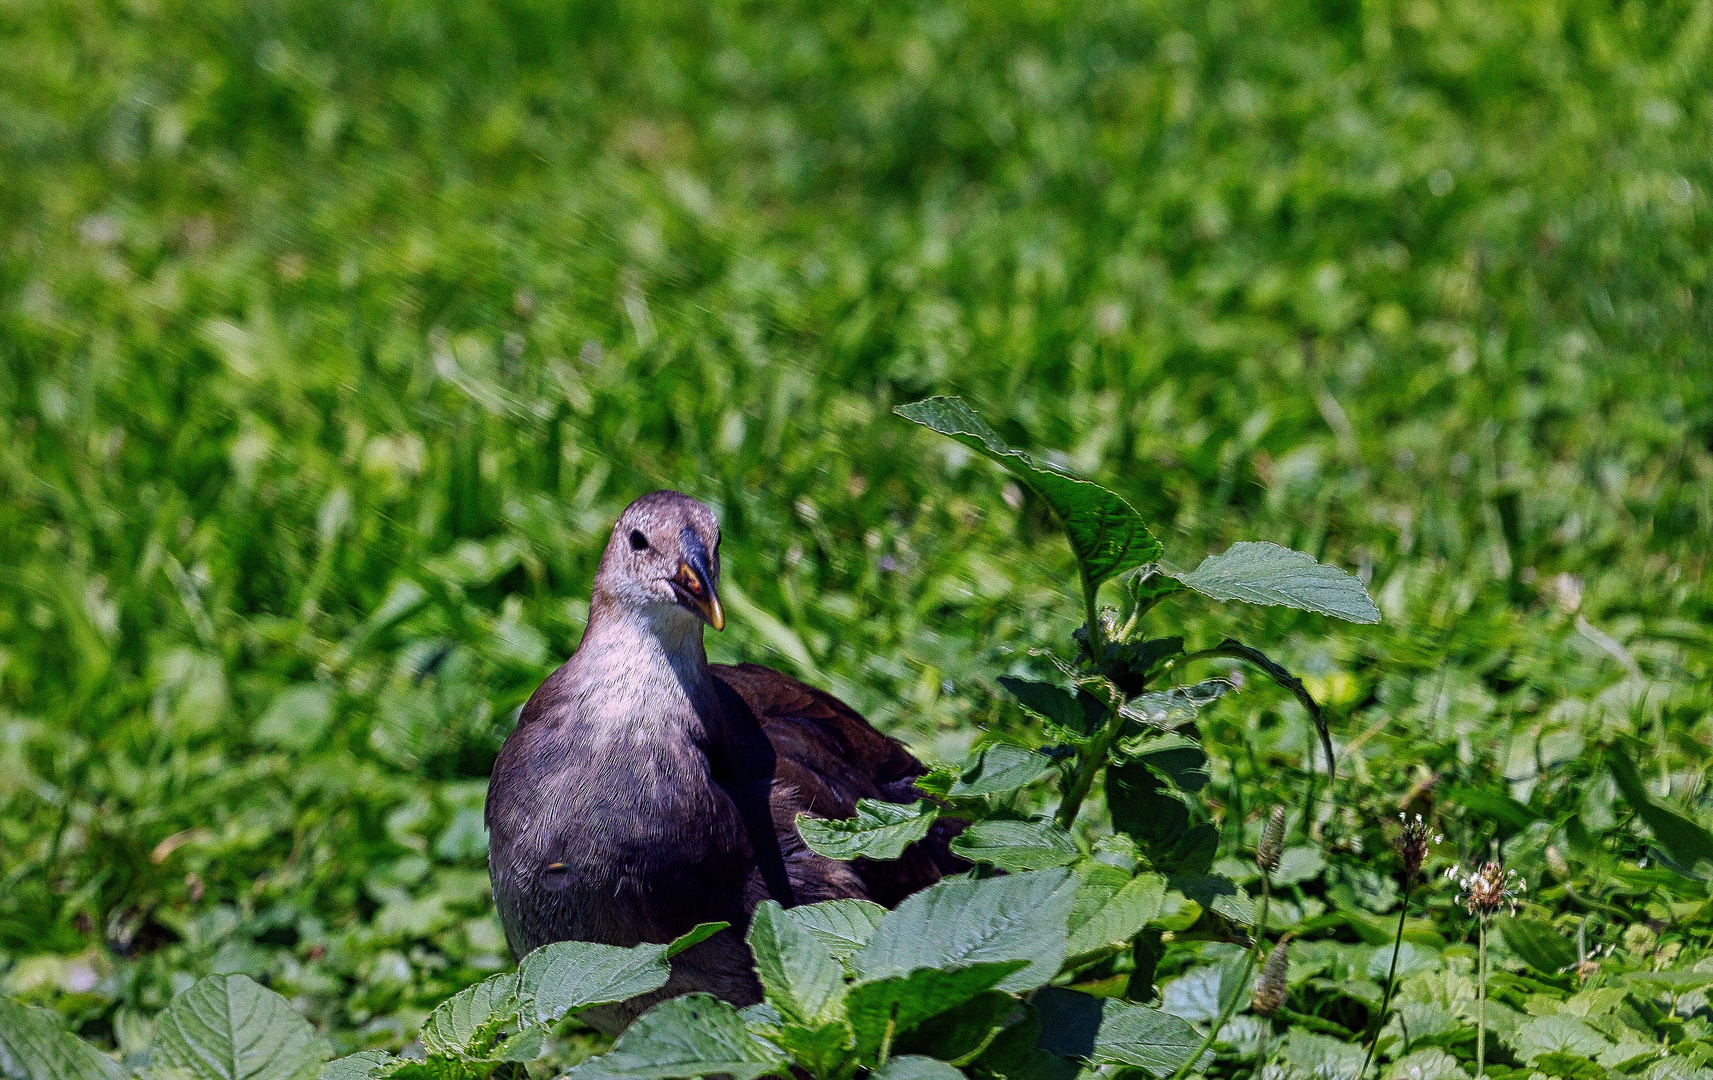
x=1412, y=844
x=1270, y=988
x=1488, y=889
x=1272, y=842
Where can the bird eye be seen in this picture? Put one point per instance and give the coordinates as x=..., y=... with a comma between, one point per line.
x=638, y=542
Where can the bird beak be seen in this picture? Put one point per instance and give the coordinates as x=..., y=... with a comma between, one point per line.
x=697, y=593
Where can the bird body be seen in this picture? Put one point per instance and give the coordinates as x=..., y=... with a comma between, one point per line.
x=645, y=790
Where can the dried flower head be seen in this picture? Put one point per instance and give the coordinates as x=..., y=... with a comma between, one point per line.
x=1270, y=988
x=1488, y=889
x=1272, y=842
x=1412, y=844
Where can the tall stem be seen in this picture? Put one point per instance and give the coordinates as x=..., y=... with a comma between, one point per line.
x=1391, y=981
x=1230, y=1006
x=1481, y=1007
x=1091, y=759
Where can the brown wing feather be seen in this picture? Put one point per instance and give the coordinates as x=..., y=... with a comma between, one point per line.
x=828, y=758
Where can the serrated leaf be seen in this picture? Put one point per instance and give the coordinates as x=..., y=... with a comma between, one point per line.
x=915, y=1067
x=843, y=926
x=227, y=1027
x=999, y=769
x=363, y=1065
x=33, y=1046
x=1107, y=535
x=1119, y=916
x=1080, y=713
x=799, y=975
x=1147, y=1039
x=880, y=830
x=910, y=998
x=566, y=976
x=467, y=1023
x=1017, y=845
x=1559, y=1033
x=689, y=1036
x=957, y=922
x=1263, y=573
x=1540, y=945
x=1171, y=709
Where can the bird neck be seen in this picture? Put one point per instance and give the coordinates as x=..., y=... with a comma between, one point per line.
x=643, y=661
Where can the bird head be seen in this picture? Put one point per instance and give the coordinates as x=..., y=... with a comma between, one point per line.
x=663, y=562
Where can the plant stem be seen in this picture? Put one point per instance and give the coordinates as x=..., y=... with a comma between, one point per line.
x=1090, y=760
x=1229, y=1007
x=1391, y=981
x=1481, y=1007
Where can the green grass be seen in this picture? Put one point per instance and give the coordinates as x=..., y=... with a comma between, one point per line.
x=334, y=336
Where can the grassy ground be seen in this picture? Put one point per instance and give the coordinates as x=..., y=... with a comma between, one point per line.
x=333, y=336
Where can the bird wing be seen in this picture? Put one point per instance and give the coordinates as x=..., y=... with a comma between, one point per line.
x=826, y=758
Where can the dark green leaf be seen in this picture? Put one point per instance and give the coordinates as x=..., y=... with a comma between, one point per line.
x=1495, y=806
x=34, y=1047
x=693, y=1035
x=960, y=921
x=570, y=975
x=908, y=999
x=1107, y=535
x=960, y=1031
x=880, y=830
x=226, y=1027
x=1077, y=712
x=1687, y=843
x=363, y=1065
x=1263, y=573
x=799, y=975
x=1017, y=845
x=1541, y=946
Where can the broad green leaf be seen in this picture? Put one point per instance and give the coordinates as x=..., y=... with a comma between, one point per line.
x=880, y=830
x=1321, y=1056
x=33, y=1046
x=958, y=922
x=1107, y=535
x=363, y=1065
x=694, y=936
x=1687, y=843
x=1559, y=1033
x=1264, y=573
x=569, y=975
x=915, y=1067
x=910, y=998
x=999, y=769
x=693, y=1035
x=1541, y=946
x=1172, y=709
x=1148, y=1039
x=843, y=926
x=821, y=1048
x=1117, y=916
x=1080, y=713
x=964, y=1030
x=799, y=975
x=1495, y=806
x=467, y=1023
x=227, y=1027
x=1017, y=845
x=1431, y=1064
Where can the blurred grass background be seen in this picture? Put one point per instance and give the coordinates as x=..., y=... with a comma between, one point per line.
x=333, y=336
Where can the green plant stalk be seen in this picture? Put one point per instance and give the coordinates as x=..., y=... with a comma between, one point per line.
x=1090, y=761
x=1230, y=1007
x=1391, y=981
x=1481, y=1004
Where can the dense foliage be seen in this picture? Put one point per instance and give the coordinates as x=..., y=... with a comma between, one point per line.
x=334, y=336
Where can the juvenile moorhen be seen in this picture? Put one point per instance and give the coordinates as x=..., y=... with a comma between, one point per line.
x=646, y=790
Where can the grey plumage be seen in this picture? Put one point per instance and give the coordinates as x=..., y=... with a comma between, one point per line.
x=645, y=791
